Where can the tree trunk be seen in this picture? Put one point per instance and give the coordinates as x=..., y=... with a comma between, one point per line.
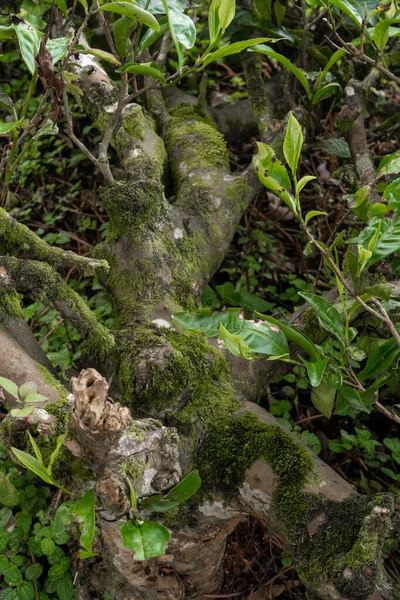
x=179, y=406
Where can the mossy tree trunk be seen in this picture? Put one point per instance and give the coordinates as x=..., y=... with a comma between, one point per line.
x=180, y=405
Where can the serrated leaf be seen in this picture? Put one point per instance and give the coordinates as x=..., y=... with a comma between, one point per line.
x=298, y=73
x=328, y=315
x=10, y=387
x=323, y=398
x=315, y=370
x=184, y=490
x=26, y=591
x=9, y=495
x=312, y=441
x=132, y=11
x=65, y=588
x=273, y=175
x=151, y=36
x=234, y=48
x=121, y=31
x=48, y=546
x=12, y=575
x=183, y=30
x=380, y=360
x=293, y=143
x=147, y=539
x=145, y=69
x=33, y=571
x=393, y=444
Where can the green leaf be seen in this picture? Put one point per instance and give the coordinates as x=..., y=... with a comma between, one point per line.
x=359, y=401
x=9, y=495
x=85, y=514
x=57, y=571
x=121, y=31
x=303, y=181
x=183, y=30
x=323, y=398
x=151, y=36
x=58, y=48
x=64, y=516
x=259, y=337
x=314, y=213
x=312, y=441
x=5, y=515
x=380, y=360
x=20, y=413
x=35, y=447
x=385, y=232
x=65, y=588
x=6, y=101
x=146, y=538
x=336, y=446
x=392, y=194
x=334, y=146
x=328, y=315
x=32, y=397
x=293, y=143
x=133, y=11
x=184, y=490
x=226, y=12
x=380, y=35
x=146, y=69
x=325, y=92
x=294, y=335
x=29, y=43
x=298, y=73
x=273, y=175
x=7, y=32
x=214, y=26
x=390, y=163
x=33, y=571
x=235, y=344
x=102, y=55
x=12, y=575
x=315, y=370
x=31, y=463
x=10, y=387
x=393, y=444
x=56, y=452
x=26, y=591
x=48, y=546
x=348, y=10
x=49, y=128
x=234, y=48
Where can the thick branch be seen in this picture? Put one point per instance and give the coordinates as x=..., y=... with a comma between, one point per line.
x=17, y=236
x=45, y=284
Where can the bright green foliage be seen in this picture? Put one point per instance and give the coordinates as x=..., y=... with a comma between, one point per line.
x=184, y=490
x=146, y=538
x=31, y=555
x=27, y=393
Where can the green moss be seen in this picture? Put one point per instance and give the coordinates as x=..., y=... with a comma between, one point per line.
x=49, y=379
x=136, y=431
x=312, y=327
x=133, y=468
x=194, y=142
x=10, y=306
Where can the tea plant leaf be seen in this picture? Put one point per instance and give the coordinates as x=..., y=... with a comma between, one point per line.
x=328, y=315
x=314, y=213
x=259, y=337
x=234, y=48
x=294, y=335
x=380, y=360
x=325, y=92
x=146, y=69
x=29, y=43
x=293, y=143
x=146, y=538
x=151, y=36
x=184, y=490
x=323, y=398
x=298, y=73
x=183, y=30
x=315, y=370
x=273, y=175
x=102, y=55
x=133, y=11
x=121, y=31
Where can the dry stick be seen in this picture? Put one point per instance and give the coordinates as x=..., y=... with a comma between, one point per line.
x=72, y=136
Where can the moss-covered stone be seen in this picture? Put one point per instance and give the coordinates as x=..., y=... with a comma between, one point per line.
x=10, y=306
